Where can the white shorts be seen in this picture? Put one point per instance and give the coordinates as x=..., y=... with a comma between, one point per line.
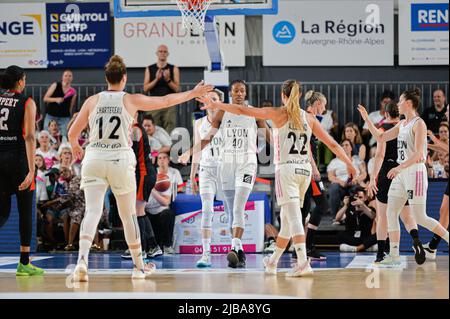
x=118, y=172
x=292, y=182
x=208, y=180
x=411, y=184
x=234, y=175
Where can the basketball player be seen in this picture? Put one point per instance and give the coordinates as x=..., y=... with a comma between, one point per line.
x=17, y=152
x=208, y=175
x=145, y=181
x=385, y=160
x=409, y=178
x=292, y=129
x=109, y=158
x=238, y=164
x=315, y=104
x=431, y=247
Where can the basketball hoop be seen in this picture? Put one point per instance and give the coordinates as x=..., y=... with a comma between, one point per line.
x=193, y=13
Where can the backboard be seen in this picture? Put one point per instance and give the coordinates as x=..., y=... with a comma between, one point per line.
x=160, y=8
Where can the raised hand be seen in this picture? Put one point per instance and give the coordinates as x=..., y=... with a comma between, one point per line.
x=207, y=102
x=184, y=158
x=362, y=110
x=202, y=89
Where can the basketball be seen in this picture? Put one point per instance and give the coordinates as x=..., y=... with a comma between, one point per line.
x=162, y=183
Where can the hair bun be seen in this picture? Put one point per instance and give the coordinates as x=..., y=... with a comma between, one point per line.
x=116, y=58
x=309, y=94
x=417, y=92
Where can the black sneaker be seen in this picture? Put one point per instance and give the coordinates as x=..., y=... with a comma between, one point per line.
x=242, y=259
x=233, y=259
x=314, y=255
x=419, y=252
x=380, y=257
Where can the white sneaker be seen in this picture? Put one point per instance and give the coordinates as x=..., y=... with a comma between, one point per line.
x=205, y=261
x=149, y=268
x=270, y=267
x=429, y=253
x=154, y=252
x=80, y=274
x=169, y=250
x=347, y=248
x=374, y=248
x=391, y=261
x=301, y=270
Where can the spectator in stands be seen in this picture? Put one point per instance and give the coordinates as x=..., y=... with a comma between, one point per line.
x=351, y=133
x=161, y=79
x=378, y=116
x=436, y=169
x=339, y=177
x=158, y=138
x=435, y=115
x=358, y=216
x=41, y=179
x=75, y=211
x=66, y=160
x=56, y=139
x=57, y=206
x=44, y=149
x=158, y=209
x=60, y=98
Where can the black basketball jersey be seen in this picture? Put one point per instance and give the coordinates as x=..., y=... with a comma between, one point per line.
x=12, y=112
x=142, y=151
x=391, y=146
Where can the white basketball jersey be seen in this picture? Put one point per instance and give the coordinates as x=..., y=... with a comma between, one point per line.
x=110, y=124
x=405, y=142
x=291, y=145
x=211, y=153
x=240, y=135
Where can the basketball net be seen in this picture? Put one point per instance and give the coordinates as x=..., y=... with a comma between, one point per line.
x=193, y=13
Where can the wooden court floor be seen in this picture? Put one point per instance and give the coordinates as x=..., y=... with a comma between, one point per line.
x=429, y=281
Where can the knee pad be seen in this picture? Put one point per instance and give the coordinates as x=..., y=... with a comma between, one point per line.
x=394, y=207
x=239, y=219
x=207, y=210
x=294, y=219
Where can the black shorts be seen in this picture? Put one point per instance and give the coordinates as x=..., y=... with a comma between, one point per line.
x=384, y=183
x=13, y=170
x=144, y=185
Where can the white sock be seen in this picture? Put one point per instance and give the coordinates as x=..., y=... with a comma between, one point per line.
x=236, y=244
x=395, y=249
x=300, y=250
x=276, y=255
x=445, y=237
x=83, y=251
x=206, y=243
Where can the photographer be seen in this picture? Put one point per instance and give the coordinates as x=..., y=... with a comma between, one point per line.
x=358, y=215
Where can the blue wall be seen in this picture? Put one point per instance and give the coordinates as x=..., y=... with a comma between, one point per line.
x=9, y=233
x=436, y=191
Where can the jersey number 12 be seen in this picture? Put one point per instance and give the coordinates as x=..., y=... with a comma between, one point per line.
x=113, y=135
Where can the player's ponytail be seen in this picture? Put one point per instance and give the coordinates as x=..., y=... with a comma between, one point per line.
x=414, y=96
x=115, y=69
x=11, y=76
x=293, y=91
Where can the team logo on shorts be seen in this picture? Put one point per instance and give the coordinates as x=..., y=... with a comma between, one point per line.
x=410, y=194
x=248, y=179
x=299, y=171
